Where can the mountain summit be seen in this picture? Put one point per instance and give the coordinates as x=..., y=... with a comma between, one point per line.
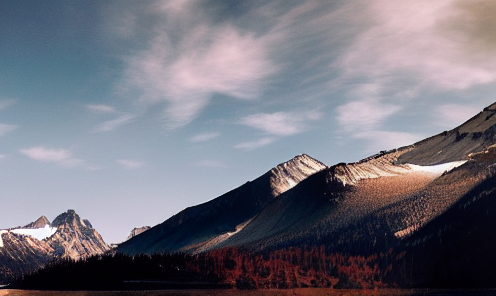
x=41, y=222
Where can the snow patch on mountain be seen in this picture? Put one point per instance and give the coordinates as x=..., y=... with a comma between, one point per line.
x=436, y=169
x=383, y=165
x=37, y=233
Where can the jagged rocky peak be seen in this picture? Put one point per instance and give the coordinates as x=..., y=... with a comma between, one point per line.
x=75, y=237
x=286, y=175
x=41, y=222
x=137, y=230
x=70, y=218
x=64, y=218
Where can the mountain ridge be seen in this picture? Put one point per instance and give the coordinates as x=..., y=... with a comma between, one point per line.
x=359, y=208
x=27, y=249
x=238, y=206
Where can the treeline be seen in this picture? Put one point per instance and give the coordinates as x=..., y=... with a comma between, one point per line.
x=224, y=268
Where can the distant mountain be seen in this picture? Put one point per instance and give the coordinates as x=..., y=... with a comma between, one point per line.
x=203, y=227
x=41, y=222
x=26, y=249
x=433, y=199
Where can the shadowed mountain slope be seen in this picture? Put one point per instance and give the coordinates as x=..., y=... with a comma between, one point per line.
x=202, y=227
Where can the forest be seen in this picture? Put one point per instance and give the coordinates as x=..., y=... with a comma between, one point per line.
x=223, y=268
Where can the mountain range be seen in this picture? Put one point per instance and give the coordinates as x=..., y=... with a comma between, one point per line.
x=431, y=205
x=431, y=198
x=26, y=249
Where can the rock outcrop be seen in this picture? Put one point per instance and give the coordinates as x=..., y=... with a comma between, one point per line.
x=137, y=230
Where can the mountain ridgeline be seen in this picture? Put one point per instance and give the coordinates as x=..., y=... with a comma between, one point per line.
x=417, y=216
x=203, y=227
x=26, y=249
x=434, y=200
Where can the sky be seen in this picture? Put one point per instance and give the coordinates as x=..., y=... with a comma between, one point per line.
x=130, y=111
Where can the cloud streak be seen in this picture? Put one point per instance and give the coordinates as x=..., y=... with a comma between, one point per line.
x=281, y=123
x=114, y=123
x=425, y=43
x=190, y=58
x=62, y=157
x=130, y=164
x=364, y=114
x=100, y=108
x=204, y=137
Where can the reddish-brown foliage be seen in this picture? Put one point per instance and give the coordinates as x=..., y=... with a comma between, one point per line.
x=296, y=268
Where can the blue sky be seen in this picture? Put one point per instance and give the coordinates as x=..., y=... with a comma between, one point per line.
x=130, y=111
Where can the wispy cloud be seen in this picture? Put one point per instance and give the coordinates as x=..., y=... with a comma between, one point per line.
x=114, y=123
x=276, y=125
x=100, y=108
x=251, y=145
x=62, y=157
x=424, y=43
x=364, y=114
x=281, y=123
x=204, y=137
x=191, y=57
x=6, y=128
x=130, y=164
x=409, y=51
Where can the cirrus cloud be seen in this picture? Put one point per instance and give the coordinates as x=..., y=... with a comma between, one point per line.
x=130, y=164
x=100, y=108
x=204, y=137
x=114, y=123
x=429, y=44
x=190, y=58
x=62, y=157
x=281, y=123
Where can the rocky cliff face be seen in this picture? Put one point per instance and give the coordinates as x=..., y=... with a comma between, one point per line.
x=27, y=249
x=137, y=230
x=75, y=238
